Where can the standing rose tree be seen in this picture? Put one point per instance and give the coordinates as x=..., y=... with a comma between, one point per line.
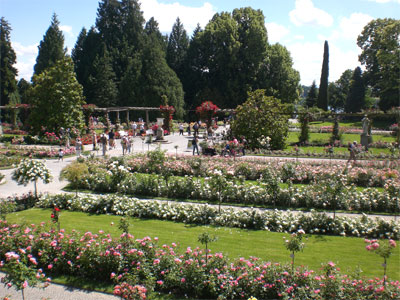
x=207, y=110
x=29, y=170
x=167, y=112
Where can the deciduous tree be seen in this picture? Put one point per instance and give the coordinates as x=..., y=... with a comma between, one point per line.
x=56, y=99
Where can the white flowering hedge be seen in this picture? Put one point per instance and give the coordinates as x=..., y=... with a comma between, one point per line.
x=203, y=214
x=315, y=196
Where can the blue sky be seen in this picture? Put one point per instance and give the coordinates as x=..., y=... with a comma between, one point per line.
x=300, y=25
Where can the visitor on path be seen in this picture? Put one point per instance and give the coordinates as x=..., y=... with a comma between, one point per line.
x=60, y=155
x=188, y=129
x=352, y=147
x=78, y=147
x=111, y=141
x=142, y=129
x=195, y=142
x=130, y=144
x=180, y=129
x=244, y=143
x=103, y=141
x=134, y=128
x=196, y=129
x=124, y=144
x=94, y=140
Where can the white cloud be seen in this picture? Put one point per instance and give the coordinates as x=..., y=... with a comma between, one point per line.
x=26, y=59
x=67, y=29
x=305, y=13
x=166, y=14
x=276, y=32
x=299, y=37
x=351, y=27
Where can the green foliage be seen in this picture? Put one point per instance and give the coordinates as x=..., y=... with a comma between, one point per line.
x=282, y=80
x=336, y=135
x=8, y=58
x=74, y=173
x=101, y=87
x=21, y=272
x=356, y=97
x=178, y=44
x=261, y=116
x=123, y=225
x=51, y=48
x=56, y=99
x=312, y=95
x=322, y=101
x=338, y=91
x=380, y=47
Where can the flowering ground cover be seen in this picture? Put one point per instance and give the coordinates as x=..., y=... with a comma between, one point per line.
x=329, y=187
x=177, y=268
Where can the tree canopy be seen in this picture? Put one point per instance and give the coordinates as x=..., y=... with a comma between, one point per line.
x=380, y=45
x=51, y=48
x=56, y=99
x=8, y=73
x=266, y=120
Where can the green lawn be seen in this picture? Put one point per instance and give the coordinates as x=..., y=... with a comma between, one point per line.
x=324, y=137
x=348, y=253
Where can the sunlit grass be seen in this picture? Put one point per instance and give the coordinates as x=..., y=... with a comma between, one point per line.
x=348, y=252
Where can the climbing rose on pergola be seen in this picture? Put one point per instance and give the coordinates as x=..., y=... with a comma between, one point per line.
x=206, y=110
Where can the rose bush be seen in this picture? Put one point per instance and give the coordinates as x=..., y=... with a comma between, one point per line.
x=164, y=268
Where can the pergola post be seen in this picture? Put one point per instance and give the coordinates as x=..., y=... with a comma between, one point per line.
x=147, y=118
x=127, y=117
x=118, y=117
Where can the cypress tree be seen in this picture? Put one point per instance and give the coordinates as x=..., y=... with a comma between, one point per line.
x=356, y=98
x=178, y=44
x=8, y=73
x=51, y=48
x=322, y=101
x=312, y=95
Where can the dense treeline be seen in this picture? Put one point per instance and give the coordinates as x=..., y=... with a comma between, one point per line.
x=125, y=61
x=122, y=60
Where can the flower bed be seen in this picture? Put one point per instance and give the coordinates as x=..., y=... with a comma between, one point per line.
x=204, y=214
x=194, y=273
x=372, y=174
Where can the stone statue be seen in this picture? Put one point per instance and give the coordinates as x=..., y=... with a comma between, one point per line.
x=365, y=125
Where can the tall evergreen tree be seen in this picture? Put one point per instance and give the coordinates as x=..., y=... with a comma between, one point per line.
x=312, y=96
x=151, y=28
x=101, y=87
x=8, y=73
x=51, y=48
x=178, y=44
x=322, y=101
x=356, y=97
x=157, y=79
x=86, y=49
x=77, y=53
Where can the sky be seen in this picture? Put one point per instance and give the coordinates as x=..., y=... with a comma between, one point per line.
x=301, y=26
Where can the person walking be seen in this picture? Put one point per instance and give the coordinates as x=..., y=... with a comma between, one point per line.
x=60, y=155
x=111, y=136
x=103, y=141
x=78, y=147
x=188, y=129
x=134, y=128
x=352, y=147
x=94, y=140
x=180, y=129
x=195, y=142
